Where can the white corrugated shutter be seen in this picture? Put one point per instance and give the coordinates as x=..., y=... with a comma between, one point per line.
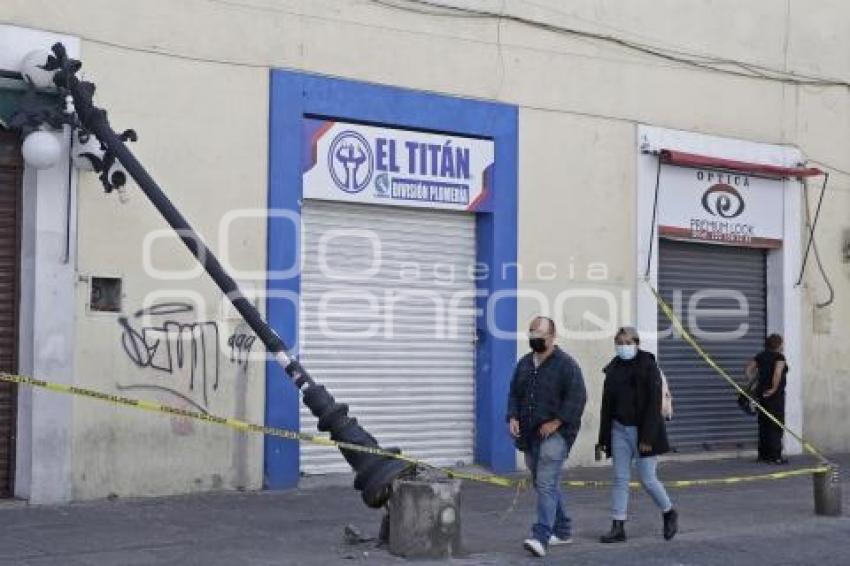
x=395, y=287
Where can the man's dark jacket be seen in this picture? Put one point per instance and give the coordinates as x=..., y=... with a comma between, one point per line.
x=651, y=429
x=554, y=390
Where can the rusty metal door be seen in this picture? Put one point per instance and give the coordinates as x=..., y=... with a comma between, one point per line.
x=11, y=171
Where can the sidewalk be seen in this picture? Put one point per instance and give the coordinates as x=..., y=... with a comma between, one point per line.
x=769, y=522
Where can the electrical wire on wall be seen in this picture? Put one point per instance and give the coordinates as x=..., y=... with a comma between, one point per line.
x=69, y=196
x=705, y=62
x=652, y=223
x=810, y=226
x=716, y=64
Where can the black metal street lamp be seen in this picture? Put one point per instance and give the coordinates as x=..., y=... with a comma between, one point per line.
x=374, y=472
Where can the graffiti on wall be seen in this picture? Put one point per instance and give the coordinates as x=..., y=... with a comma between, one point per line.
x=176, y=347
x=167, y=339
x=240, y=344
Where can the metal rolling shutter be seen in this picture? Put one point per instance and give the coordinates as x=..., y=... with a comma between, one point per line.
x=706, y=413
x=10, y=190
x=414, y=388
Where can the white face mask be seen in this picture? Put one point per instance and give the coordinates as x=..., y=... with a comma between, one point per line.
x=626, y=351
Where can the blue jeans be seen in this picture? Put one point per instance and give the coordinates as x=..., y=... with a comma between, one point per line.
x=545, y=459
x=624, y=448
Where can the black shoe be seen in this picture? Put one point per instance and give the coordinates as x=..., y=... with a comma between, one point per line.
x=617, y=533
x=671, y=524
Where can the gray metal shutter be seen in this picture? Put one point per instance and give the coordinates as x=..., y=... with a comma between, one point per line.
x=10, y=191
x=411, y=384
x=705, y=411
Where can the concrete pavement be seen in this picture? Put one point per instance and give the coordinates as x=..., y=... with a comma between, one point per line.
x=748, y=524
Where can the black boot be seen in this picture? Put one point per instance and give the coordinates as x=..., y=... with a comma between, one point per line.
x=671, y=524
x=617, y=534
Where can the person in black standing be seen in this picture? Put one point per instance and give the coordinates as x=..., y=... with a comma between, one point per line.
x=767, y=373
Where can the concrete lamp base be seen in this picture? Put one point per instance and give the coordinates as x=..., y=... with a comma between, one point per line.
x=827, y=488
x=424, y=519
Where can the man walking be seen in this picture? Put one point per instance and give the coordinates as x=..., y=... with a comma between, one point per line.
x=547, y=399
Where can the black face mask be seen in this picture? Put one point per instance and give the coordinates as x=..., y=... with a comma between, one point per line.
x=537, y=345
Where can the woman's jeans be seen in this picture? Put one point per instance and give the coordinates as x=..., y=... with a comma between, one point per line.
x=545, y=459
x=624, y=448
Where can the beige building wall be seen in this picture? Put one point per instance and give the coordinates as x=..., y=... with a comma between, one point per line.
x=208, y=151
x=192, y=78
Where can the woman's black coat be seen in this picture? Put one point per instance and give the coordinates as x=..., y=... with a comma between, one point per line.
x=651, y=429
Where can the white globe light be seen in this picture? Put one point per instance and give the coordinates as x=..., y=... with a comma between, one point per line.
x=41, y=150
x=31, y=68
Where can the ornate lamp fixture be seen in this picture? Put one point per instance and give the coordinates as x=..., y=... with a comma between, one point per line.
x=99, y=148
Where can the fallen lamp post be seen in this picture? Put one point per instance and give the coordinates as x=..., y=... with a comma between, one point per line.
x=375, y=473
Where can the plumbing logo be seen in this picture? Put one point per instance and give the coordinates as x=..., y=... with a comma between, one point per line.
x=350, y=162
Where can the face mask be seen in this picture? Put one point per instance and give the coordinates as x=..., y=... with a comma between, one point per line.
x=626, y=351
x=537, y=345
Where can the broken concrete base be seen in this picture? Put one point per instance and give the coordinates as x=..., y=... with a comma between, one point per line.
x=424, y=519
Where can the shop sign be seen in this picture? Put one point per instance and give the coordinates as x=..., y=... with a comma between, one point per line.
x=715, y=206
x=375, y=165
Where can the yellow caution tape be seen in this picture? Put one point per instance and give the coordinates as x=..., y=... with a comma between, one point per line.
x=519, y=484
x=668, y=312
x=713, y=481
x=248, y=427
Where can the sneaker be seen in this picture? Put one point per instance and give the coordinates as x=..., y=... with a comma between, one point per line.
x=535, y=547
x=556, y=541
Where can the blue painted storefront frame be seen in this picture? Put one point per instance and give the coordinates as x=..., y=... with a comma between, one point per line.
x=294, y=95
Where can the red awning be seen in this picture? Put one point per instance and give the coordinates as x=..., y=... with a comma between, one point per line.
x=683, y=159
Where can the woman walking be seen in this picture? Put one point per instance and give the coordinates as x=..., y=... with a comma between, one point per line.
x=767, y=373
x=631, y=429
